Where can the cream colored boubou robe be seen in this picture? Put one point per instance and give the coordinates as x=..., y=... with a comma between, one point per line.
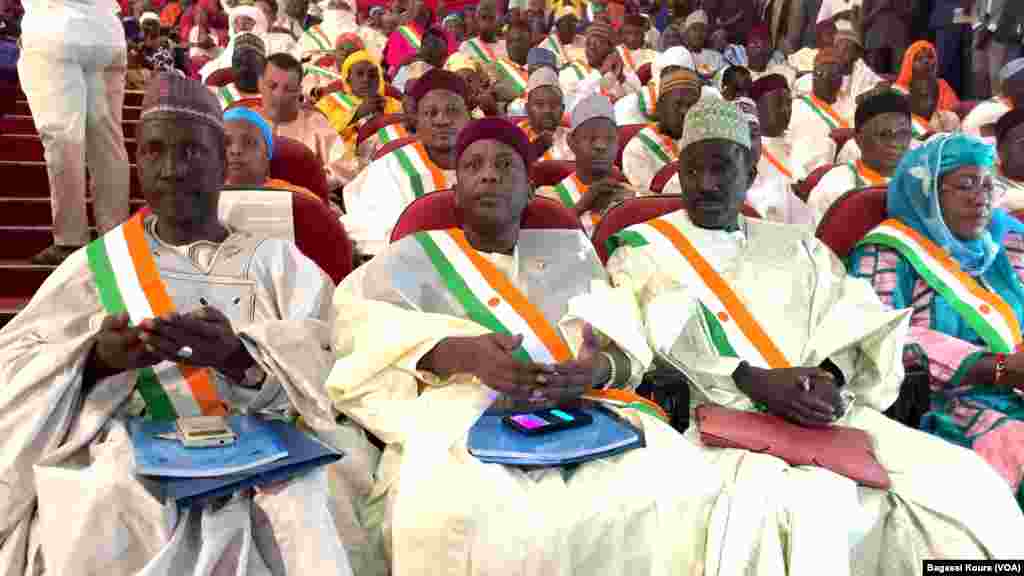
x=68, y=499
x=445, y=512
x=779, y=519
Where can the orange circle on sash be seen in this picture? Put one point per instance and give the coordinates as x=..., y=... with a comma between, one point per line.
x=984, y=308
x=723, y=316
x=493, y=302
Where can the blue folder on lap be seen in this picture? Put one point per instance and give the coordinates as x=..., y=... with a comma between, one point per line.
x=492, y=441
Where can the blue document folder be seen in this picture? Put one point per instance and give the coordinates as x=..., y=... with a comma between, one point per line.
x=303, y=453
x=491, y=440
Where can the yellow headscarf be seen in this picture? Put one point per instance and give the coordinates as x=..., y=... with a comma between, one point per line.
x=355, y=58
x=459, y=61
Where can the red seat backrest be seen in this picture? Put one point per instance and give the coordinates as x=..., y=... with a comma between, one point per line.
x=851, y=217
x=636, y=211
x=550, y=172
x=326, y=61
x=807, y=184
x=221, y=77
x=385, y=149
x=392, y=91
x=1018, y=214
x=370, y=127
x=437, y=211
x=841, y=136
x=663, y=176
x=626, y=134
x=964, y=108
x=644, y=73
x=252, y=103
x=294, y=162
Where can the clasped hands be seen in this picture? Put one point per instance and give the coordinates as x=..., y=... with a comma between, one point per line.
x=807, y=396
x=490, y=358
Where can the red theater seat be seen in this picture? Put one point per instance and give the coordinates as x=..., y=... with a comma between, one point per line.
x=294, y=162
x=626, y=134
x=850, y=218
x=437, y=211
x=221, y=77
x=841, y=136
x=807, y=184
x=964, y=108
x=550, y=172
x=644, y=73
x=663, y=176
x=385, y=149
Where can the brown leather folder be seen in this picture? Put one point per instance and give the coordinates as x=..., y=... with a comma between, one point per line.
x=843, y=450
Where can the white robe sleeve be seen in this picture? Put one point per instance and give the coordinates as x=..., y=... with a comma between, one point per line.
x=637, y=165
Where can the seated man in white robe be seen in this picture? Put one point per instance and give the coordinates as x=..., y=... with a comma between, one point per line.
x=640, y=107
x=379, y=194
x=657, y=145
x=492, y=315
x=549, y=140
x=858, y=77
x=631, y=43
x=594, y=141
x=281, y=91
x=602, y=71
x=883, y=136
x=720, y=295
x=112, y=334
x=564, y=42
x=816, y=115
x=989, y=111
x=319, y=40
x=707, y=62
x=248, y=60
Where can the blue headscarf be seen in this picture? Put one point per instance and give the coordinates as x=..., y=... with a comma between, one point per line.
x=914, y=192
x=253, y=117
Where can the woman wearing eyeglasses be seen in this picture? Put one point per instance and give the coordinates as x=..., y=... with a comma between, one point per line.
x=958, y=261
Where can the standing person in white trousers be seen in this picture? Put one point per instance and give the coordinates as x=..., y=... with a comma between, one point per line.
x=72, y=69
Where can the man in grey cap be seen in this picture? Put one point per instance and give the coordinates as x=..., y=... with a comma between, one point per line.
x=596, y=184
x=248, y=60
x=538, y=57
x=549, y=140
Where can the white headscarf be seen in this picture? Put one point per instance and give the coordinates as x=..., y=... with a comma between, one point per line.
x=226, y=55
x=674, y=56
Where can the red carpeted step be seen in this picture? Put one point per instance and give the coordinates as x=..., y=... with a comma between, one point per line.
x=21, y=280
x=37, y=212
x=29, y=148
x=28, y=179
x=131, y=97
x=25, y=125
x=21, y=243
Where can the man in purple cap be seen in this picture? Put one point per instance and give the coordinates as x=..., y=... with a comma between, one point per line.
x=495, y=315
x=376, y=197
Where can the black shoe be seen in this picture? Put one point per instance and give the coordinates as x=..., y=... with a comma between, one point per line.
x=53, y=255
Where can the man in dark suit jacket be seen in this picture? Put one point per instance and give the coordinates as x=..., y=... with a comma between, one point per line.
x=949, y=40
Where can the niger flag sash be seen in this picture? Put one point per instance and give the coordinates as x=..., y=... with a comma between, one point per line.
x=570, y=190
x=128, y=280
x=984, y=311
x=733, y=330
x=647, y=98
x=316, y=34
x=663, y=148
x=411, y=36
x=865, y=175
x=391, y=132
x=228, y=95
x=481, y=50
x=513, y=74
x=919, y=126
x=418, y=169
x=826, y=112
x=491, y=300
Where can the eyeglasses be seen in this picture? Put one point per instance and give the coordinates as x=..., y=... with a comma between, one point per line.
x=894, y=134
x=970, y=186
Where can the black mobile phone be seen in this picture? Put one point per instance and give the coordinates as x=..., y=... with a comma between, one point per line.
x=549, y=420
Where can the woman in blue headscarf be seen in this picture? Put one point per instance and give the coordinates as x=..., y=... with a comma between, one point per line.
x=958, y=261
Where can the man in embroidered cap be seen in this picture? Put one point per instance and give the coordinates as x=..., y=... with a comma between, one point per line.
x=816, y=115
x=603, y=71
x=884, y=134
x=695, y=273
x=549, y=140
x=249, y=59
x=707, y=62
x=461, y=351
x=657, y=145
x=111, y=336
x=596, y=184
x=640, y=107
x=377, y=196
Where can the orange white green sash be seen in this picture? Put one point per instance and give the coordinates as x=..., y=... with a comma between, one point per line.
x=774, y=161
x=919, y=126
x=481, y=50
x=419, y=170
x=339, y=108
x=311, y=70
x=411, y=36
x=228, y=95
x=570, y=190
x=826, y=112
x=865, y=175
x=627, y=58
x=647, y=97
x=391, y=132
x=984, y=311
x=128, y=280
x=514, y=74
x=316, y=34
x=732, y=329
x=493, y=301
x=554, y=45
x=579, y=68
x=661, y=147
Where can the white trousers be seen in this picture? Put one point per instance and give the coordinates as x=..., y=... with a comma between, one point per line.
x=76, y=93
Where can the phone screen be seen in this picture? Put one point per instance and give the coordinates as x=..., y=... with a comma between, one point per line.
x=530, y=421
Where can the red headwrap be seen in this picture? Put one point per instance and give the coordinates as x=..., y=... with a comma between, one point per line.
x=767, y=84
x=494, y=128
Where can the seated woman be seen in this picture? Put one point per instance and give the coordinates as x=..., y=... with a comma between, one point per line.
x=111, y=336
x=249, y=147
x=362, y=97
x=920, y=64
x=458, y=318
x=316, y=80
x=958, y=263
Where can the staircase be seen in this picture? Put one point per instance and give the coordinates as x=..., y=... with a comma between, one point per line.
x=26, y=222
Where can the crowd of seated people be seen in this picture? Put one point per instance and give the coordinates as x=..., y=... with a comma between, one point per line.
x=698, y=223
